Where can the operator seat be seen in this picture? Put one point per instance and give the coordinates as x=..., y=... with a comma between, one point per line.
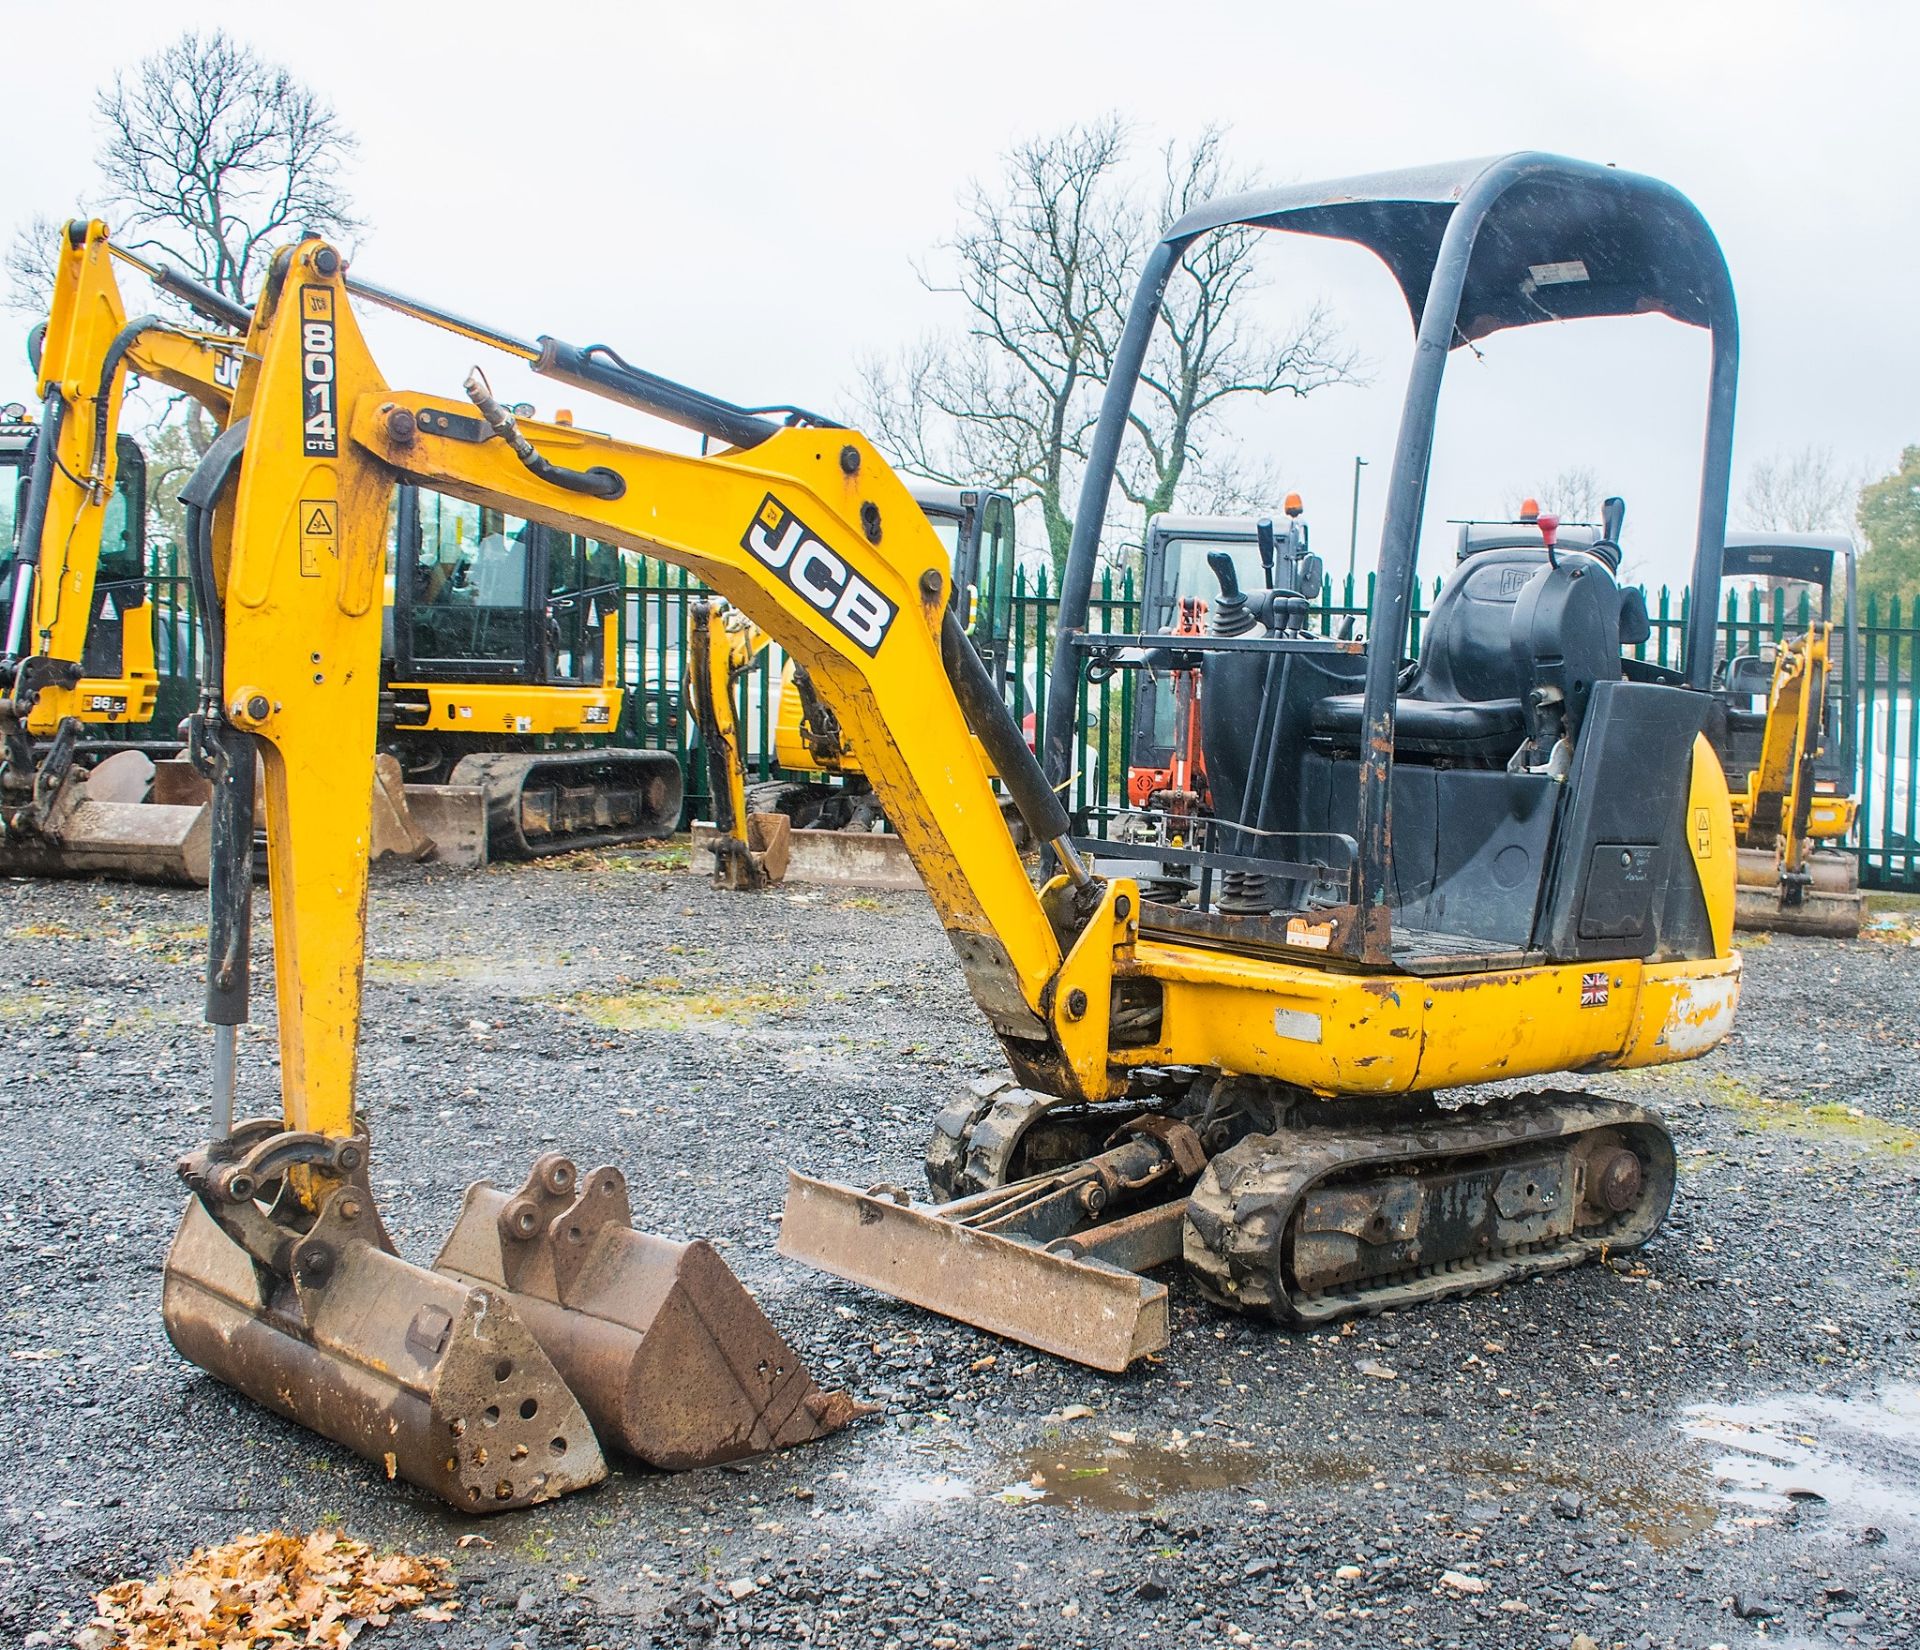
x=1497, y=632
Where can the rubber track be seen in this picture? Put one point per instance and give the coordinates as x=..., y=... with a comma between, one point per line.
x=1242, y=1209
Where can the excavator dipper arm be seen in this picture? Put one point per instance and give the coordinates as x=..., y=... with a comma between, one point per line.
x=549, y=1329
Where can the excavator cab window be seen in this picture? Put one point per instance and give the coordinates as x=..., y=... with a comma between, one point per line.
x=123, y=536
x=583, y=587
x=468, y=589
x=13, y=487
x=120, y=583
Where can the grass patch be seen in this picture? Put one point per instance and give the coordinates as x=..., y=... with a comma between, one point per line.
x=45, y=931
x=668, y=1004
x=405, y=970
x=1824, y=1120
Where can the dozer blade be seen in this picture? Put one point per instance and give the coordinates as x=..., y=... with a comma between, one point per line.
x=1064, y=1298
x=435, y=1380
x=1828, y=902
x=664, y=1348
x=552, y=802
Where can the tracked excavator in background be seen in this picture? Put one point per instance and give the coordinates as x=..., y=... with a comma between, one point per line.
x=1247, y=1084
x=79, y=652
x=499, y=647
x=826, y=825
x=1788, y=736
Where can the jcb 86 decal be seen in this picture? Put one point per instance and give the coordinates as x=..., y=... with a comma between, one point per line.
x=320, y=409
x=787, y=545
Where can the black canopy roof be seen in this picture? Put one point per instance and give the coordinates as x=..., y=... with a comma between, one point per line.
x=1563, y=240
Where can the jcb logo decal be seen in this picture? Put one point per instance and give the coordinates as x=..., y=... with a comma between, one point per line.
x=777, y=537
x=320, y=410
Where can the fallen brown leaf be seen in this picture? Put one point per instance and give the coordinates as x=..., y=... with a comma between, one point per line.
x=317, y=1590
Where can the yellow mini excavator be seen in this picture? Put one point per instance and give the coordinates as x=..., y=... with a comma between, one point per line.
x=79, y=651
x=1516, y=860
x=1788, y=735
x=499, y=647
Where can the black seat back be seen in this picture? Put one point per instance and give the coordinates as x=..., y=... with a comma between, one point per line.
x=1465, y=653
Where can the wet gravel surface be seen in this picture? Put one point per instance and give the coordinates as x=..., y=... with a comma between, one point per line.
x=1711, y=1442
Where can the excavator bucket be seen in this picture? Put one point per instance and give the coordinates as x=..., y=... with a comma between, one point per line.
x=667, y=1353
x=1824, y=898
x=101, y=823
x=435, y=1379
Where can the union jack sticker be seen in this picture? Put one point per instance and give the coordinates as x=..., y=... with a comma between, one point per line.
x=1593, y=990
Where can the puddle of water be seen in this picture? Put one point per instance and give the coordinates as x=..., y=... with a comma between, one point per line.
x=1665, y=1511
x=1861, y=1456
x=906, y=1491
x=1111, y=1477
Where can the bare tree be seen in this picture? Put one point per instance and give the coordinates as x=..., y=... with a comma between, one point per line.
x=212, y=158
x=1046, y=264
x=1801, y=492
x=1575, y=494
x=31, y=259
x=1205, y=354
x=1043, y=265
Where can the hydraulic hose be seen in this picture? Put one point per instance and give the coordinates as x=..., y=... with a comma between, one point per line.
x=1019, y=770
x=597, y=482
x=123, y=340
x=197, y=499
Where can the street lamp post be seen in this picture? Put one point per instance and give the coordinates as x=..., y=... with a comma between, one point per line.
x=1353, y=530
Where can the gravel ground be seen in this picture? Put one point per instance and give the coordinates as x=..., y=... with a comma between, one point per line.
x=1607, y=1454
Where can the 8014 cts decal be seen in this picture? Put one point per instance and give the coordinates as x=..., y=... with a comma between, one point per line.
x=793, y=550
x=320, y=409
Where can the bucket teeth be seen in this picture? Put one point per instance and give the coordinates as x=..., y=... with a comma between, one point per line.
x=436, y=1381
x=664, y=1348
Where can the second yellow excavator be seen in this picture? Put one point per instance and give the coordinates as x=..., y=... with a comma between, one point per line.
x=504, y=656
x=1515, y=861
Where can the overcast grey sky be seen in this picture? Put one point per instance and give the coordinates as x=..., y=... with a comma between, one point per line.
x=735, y=195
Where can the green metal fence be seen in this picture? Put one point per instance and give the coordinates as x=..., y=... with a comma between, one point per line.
x=654, y=625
